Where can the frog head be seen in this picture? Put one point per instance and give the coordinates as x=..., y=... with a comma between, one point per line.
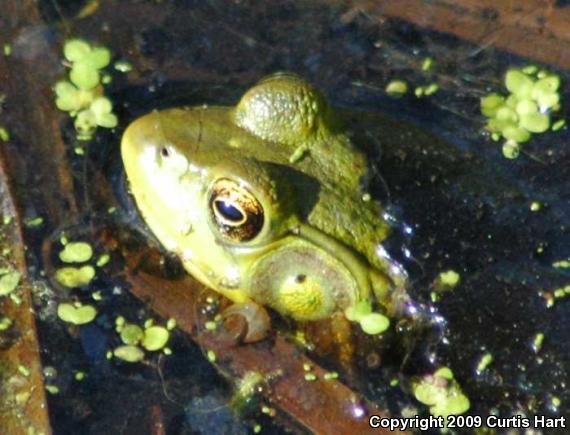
x=262, y=201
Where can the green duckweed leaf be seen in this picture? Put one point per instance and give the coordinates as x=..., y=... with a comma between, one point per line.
x=355, y=313
x=525, y=107
x=74, y=277
x=518, y=134
x=374, y=323
x=75, y=50
x=98, y=58
x=511, y=149
x=86, y=122
x=491, y=103
x=77, y=315
x=131, y=334
x=108, y=120
x=9, y=281
x=518, y=83
x=76, y=252
x=535, y=122
x=155, y=338
x=129, y=353
x=505, y=113
x=548, y=100
x=396, y=88
x=84, y=76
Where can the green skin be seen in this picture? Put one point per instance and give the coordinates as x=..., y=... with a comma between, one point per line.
x=314, y=250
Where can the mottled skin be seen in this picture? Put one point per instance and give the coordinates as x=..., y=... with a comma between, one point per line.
x=304, y=241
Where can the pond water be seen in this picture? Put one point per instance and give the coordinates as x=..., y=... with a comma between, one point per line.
x=456, y=203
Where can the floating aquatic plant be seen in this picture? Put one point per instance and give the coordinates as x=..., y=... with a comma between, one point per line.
x=533, y=98
x=371, y=323
x=77, y=314
x=137, y=339
x=83, y=94
x=441, y=392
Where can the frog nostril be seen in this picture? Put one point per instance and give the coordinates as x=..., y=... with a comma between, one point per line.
x=164, y=152
x=300, y=278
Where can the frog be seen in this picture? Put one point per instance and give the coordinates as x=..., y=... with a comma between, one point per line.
x=263, y=202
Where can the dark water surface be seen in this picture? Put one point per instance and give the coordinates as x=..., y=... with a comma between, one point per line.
x=468, y=208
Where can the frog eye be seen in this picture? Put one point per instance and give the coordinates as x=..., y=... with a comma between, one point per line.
x=236, y=212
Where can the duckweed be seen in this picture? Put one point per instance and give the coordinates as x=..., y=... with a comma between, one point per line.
x=78, y=315
x=119, y=323
x=447, y=280
x=103, y=260
x=484, y=362
x=210, y=325
x=250, y=384
x=211, y=355
x=75, y=277
x=155, y=338
x=52, y=389
x=34, y=222
x=123, y=66
x=171, y=324
x=329, y=376
x=427, y=64
x=561, y=264
x=426, y=91
x=371, y=323
x=356, y=312
x=310, y=377
x=23, y=370
x=82, y=96
x=535, y=206
x=374, y=323
x=131, y=334
x=84, y=76
x=537, y=342
x=129, y=353
x=511, y=149
x=4, y=135
x=9, y=281
x=558, y=124
x=5, y=323
x=396, y=88
x=431, y=89
x=76, y=252
x=441, y=393
x=534, y=96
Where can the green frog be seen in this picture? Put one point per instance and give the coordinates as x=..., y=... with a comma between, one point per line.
x=263, y=203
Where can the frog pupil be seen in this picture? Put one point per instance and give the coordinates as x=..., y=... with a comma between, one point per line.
x=228, y=211
x=164, y=152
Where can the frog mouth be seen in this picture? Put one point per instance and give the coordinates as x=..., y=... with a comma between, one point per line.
x=309, y=276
